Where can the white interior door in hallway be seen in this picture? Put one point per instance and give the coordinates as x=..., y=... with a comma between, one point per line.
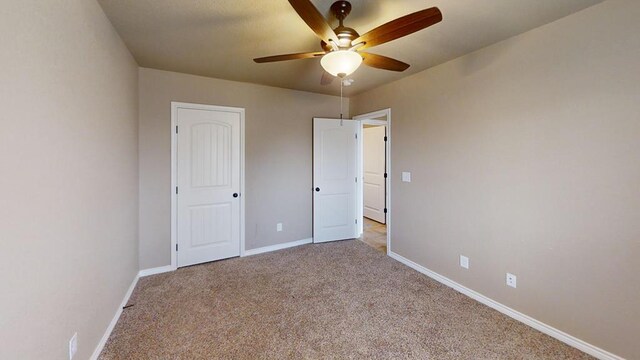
x=334, y=179
x=208, y=182
x=374, y=169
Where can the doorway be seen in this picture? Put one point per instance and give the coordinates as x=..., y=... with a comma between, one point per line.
x=338, y=181
x=374, y=172
x=374, y=185
x=207, y=205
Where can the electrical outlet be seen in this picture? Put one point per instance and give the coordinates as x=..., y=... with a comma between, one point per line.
x=511, y=280
x=279, y=227
x=406, y=176
x=73, y=346
x=464, y=261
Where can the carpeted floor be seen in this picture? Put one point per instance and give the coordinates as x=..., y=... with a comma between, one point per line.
x=341, y=300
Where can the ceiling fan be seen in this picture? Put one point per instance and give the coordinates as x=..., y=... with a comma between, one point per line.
x=342, y=47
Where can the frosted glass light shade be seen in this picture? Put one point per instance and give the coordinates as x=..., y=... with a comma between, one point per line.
x=341, y=62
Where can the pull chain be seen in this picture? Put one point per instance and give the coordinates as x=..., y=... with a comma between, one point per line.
x=341, y=84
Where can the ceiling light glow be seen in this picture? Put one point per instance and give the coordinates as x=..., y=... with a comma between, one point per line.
x=341, y=63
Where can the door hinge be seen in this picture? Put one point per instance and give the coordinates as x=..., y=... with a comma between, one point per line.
x=356, y=135
x=176, y=190
x=385, y=210
x=356, y=179
x=356, y=221
x=176, y=247
x=385, y=138
x=176, y=129
x=385, y=175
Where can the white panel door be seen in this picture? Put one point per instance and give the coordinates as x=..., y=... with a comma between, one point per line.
x=208, y=180
x=334, y=179
x=373, y=146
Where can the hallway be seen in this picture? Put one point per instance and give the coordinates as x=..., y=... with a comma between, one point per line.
x=375, y=235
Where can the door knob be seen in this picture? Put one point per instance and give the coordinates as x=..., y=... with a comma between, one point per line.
x=317, y=189
x=235, y=194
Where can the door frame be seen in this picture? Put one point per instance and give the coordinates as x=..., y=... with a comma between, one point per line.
x=372, y=119
x=175, y=105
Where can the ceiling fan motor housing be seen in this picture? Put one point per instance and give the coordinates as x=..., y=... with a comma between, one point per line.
x=341, y=9
x=345, y=36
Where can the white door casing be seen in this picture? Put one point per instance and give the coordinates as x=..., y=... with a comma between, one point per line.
x=334, y=179
x=374, y=188
x=208, y=183
x=379, y=117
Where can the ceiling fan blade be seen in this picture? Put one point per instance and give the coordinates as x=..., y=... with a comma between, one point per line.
x=383, y=62
x=326, y=78
x=400, y=27
x=314, y=19
x=289, y=57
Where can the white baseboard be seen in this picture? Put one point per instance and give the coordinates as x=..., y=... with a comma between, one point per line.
x=107, y=333
x=277, y=247
x=527, y=320
x=167, y=268
x=157, y=270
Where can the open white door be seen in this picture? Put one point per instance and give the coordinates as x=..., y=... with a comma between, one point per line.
x=374, y=161
x=208, y=183
x=334, y=179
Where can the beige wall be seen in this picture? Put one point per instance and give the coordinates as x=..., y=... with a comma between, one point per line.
x=525, y=157
x=68, y=160
x=278, y=149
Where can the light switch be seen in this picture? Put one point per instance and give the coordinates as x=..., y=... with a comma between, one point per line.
x=406, y=176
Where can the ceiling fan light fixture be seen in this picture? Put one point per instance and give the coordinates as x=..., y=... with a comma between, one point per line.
x=341, y=62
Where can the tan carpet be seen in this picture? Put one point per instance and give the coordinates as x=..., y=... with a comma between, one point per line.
x=328, y=301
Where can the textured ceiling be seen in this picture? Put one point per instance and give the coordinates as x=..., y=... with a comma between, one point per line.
x=219, y=38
